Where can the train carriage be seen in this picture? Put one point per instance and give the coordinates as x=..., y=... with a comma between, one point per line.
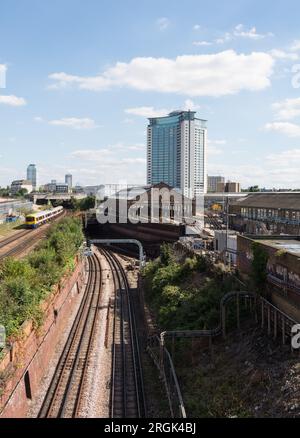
x=34, y=220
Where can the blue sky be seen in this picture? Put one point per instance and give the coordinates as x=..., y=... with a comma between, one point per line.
x=83, y=76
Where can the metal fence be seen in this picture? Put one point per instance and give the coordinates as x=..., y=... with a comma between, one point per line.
x=164, y=363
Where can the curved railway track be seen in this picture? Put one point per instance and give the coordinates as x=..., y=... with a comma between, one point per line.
x=64, y=397
x=65, y=394
x=127, y=397
x=25, y=243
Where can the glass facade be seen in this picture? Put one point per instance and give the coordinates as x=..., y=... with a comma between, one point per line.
x=31, y=175
x=177, y=151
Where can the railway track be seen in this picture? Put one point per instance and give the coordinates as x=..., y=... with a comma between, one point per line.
x=26, y=242
x=14, y=238
x=65, y=394
x=127, y=397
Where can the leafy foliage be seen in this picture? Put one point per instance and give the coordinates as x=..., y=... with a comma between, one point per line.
x=259, y=266
x=24, y=283
x=185, y=294
x=82, y=204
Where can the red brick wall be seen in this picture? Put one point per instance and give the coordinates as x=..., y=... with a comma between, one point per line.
x=34, y=351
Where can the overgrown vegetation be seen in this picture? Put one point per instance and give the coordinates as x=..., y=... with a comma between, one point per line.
x=185, y=293
x=25, y=283
x=82, y=204
x=259, y=267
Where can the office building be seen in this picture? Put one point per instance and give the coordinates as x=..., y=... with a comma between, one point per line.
x=31, y=175
x=212, y=183
x=68, y=180
x=21, y=184
x=176, y=152
x=229, y=187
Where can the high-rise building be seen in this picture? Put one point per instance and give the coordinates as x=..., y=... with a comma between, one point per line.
x=213, y=181
x=31, y=175
x=176, y=152
x=68, y=180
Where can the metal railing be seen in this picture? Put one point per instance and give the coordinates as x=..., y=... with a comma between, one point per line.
x=164, y=363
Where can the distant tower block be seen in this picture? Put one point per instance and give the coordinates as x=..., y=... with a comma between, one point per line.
x=31, y=175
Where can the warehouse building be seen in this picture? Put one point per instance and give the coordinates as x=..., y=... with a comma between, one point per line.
x=267, y=213
x=283, y=268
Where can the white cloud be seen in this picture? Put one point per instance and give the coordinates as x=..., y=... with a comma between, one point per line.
x=227, y=37
x=190, y=105
x=217, y=142
x=213, y=150
x=281, y=54
x=163, y=23
x=241, y=31
x=295, y=46
x=214, y=147
x=286, y=158
x=147, y=111
x=202, y=43
x=289, y=129
x=197, y=27
x=150, y=111
x=3, y=70
x=38, y=119
x=216, y=75
x=74, y=123
x=111, y=164
x=287, y=109
x=12, y=100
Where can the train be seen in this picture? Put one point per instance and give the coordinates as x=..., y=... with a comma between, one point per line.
x=35, y=220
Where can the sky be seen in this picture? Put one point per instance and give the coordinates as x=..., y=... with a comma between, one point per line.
x=83, y=76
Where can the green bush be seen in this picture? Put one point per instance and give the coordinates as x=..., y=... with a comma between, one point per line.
x=24, y=283
x=179, y=297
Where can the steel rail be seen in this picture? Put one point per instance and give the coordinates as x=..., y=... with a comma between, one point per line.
x=55, y=400
x=13, y=238
x=118, y=306
x=133, y=339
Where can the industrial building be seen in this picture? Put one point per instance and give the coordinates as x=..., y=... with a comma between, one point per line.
x=228, y=187
x=159, y=203
x=267, y=213
x=283, y=268
x=20, y=184
x=176, y=152
x=212, y=183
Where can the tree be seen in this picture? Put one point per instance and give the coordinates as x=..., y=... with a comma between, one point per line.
x=87, y=203
x=259, y=266
x=21, y=193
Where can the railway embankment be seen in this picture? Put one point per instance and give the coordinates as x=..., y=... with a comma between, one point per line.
x=39, y=295
x=247, y=374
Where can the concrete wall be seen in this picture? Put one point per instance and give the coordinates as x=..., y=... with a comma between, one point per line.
x=31, y=354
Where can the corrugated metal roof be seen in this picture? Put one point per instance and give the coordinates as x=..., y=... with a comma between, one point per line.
x=271, y=200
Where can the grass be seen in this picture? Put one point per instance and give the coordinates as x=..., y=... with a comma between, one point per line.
x=8, y=227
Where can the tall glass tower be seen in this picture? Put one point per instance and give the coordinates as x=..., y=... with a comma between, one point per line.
x=31, y=175
x=176, y=152
x=69, y=180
